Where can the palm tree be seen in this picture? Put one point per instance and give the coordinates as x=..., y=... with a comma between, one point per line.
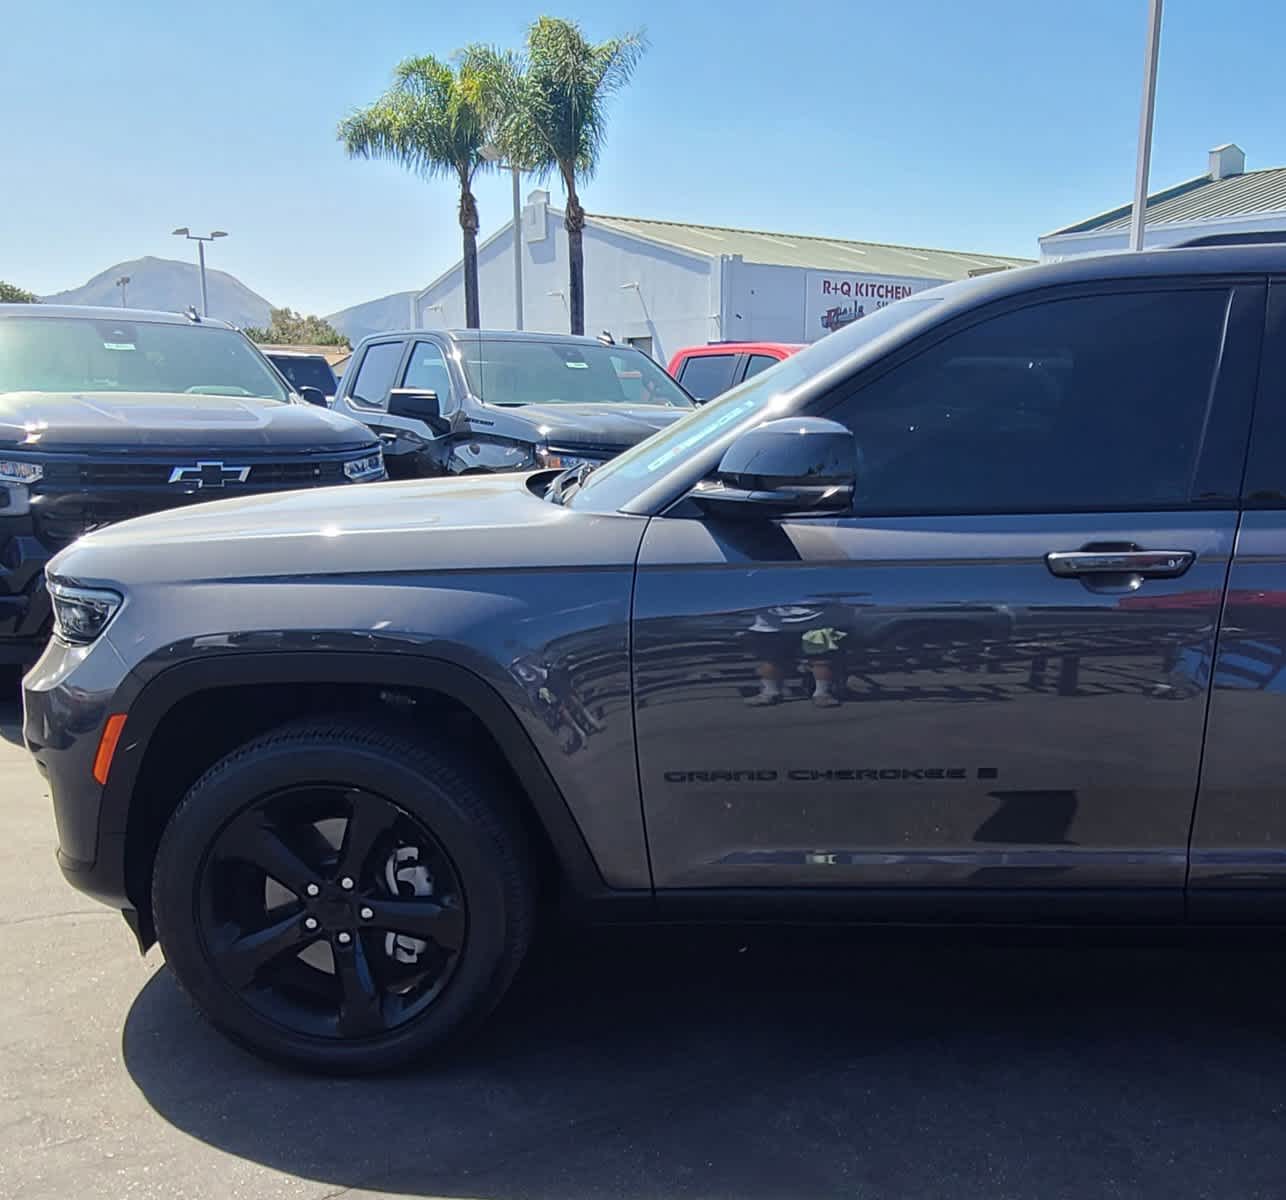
x=434, y=120
x=551, y=111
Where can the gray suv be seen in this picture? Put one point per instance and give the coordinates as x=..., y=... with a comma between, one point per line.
x=467, y=402
x=973, y=611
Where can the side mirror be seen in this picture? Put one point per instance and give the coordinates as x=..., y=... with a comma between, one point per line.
x=417, y=405
x=313, y=395
x=795, y=465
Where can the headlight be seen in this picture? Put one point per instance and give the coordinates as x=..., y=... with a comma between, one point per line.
x=369, y=466
x=13, y=471
x=81, y=614
x=551, y=456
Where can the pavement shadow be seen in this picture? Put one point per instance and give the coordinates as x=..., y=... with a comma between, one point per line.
x=10, y=713
x=761, y=1065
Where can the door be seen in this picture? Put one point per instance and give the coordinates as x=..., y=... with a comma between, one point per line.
x=1238, y=860
x=995, y=674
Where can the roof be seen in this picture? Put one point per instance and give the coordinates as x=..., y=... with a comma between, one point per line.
x=1258, y=260
x=1199, y=199
x=100, y=312
x=494, y=335
x=332, y=354
x=808, y=250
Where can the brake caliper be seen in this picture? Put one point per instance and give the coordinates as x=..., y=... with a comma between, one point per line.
x=406, y=876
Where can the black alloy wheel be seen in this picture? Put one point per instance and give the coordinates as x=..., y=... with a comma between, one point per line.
x=344, y=895
x=331, y=911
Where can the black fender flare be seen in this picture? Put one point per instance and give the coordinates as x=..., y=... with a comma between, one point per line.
x=154, y=697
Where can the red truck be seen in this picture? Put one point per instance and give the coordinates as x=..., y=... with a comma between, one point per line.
x=705, y=371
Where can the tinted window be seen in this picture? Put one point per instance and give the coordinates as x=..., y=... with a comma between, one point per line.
x=1092, y=403
x=707, y=375
x=59, y=354
x=427, y=371
x=305, y=372
x=759, y=362
x=375, y=375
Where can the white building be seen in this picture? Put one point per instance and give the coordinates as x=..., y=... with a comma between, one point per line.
x=661, y=285
x=1227, y=199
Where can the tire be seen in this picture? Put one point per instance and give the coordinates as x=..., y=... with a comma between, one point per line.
x=459, y=817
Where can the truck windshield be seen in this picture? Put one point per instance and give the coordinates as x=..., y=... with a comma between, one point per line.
x=73, y=354
x=509, y=371
x=616, y=482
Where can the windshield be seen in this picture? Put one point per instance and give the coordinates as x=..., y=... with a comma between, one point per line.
x=508, y=372
x=612, y=485
x=61, y=354
x=305, y=372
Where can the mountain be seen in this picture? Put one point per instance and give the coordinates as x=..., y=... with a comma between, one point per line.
x=375, y=316
x=166, y=284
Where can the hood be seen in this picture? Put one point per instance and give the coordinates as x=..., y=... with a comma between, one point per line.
x=140, y=420
x=460, y=523
x=613, y=425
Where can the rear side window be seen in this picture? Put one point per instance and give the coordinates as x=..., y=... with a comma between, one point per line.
x=375, y=375
x=707, y=375
x=1092, y=403
x=759, y=362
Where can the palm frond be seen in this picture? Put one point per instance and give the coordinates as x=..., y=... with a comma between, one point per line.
x=433, y=120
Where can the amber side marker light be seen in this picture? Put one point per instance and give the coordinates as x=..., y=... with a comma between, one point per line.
x=107, y=746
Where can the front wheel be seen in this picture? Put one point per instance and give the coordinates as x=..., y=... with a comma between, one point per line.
x=342, y=897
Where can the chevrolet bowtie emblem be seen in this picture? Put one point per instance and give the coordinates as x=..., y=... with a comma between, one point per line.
x=209, y=474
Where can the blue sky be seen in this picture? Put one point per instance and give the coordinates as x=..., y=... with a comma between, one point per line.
x=971, y=124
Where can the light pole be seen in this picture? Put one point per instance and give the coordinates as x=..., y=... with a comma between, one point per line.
x=1148, y=107
x=200, y=239
x=123, y=283
x=492, y=154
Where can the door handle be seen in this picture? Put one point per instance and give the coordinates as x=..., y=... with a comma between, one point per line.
x=1150, y=564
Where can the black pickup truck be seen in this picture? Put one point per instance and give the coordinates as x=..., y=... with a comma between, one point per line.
x=110, y=413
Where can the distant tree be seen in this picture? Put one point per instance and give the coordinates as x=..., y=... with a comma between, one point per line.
x=289, y=328
x=11, y=293
x=434, y=120
x=552, y=115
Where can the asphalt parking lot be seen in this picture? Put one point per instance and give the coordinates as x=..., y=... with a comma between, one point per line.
x=726, y=1063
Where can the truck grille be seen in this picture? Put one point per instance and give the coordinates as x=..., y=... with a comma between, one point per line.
x=81, y=495
x=157, y=474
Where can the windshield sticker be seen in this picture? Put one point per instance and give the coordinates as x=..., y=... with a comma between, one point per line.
x=579, y=366
x=118, y=346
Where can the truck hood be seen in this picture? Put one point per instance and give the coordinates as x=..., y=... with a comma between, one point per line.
x=608, y=425
x=138, y=420
x=402, y=529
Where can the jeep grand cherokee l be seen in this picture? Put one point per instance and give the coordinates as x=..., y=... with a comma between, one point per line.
x=971, y=611
x=108, y=413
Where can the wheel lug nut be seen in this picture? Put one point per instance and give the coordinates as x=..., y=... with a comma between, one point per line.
x=344, y=938
x=313, y=890
x=367, y=914
x=346, y=884
x=310, y=922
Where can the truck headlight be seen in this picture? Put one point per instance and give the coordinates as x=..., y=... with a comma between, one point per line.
x=81, y=614
x=369, y=466
x=16, y=471
x=551, y=456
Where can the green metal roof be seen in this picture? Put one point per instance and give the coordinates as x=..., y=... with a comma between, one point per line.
x=817, y=253
x=1199, y=199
